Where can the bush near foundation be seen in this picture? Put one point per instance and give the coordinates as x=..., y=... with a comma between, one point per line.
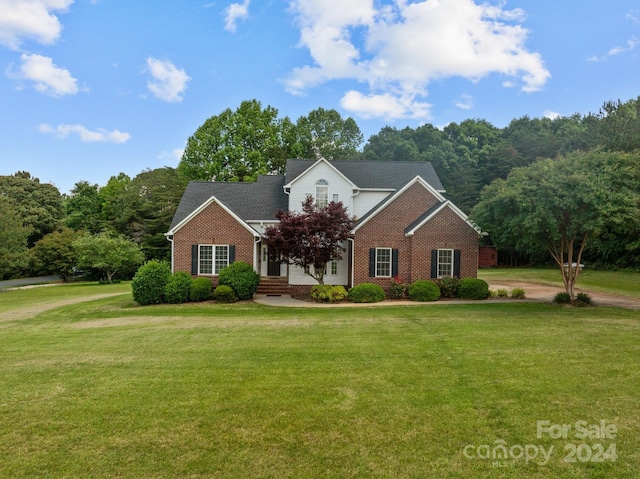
x=148, y=284
x=473, y=288
x=241, y=277
x=424, y=290
x=366, y=293
x=178, y=288
x=200, y=290
x=325, y=293
x=224, y=294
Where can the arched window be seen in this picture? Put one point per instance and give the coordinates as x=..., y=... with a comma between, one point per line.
x=322, y=193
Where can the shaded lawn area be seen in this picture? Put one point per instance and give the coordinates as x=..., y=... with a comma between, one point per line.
x=109, y=389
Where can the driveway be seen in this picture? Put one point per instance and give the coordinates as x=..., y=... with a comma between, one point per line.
x=546, y=293
x=14, y=283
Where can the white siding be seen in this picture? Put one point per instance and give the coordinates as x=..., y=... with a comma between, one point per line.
x=366, y=200
x=306, y=185
x=297, y=276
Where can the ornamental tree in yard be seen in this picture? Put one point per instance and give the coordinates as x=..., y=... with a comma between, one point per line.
x=107, y=253
x=560, y=205
x=311, y=238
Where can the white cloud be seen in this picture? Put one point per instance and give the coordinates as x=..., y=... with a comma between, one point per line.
x=167, y=82
x=85, y=135
x=173, y=155
x=235, y=12
x=398, y=50
x=47, y=77
x=385, y=105
x=631, y=45
x=552, y=115
x=464, y=102
x=32, y=19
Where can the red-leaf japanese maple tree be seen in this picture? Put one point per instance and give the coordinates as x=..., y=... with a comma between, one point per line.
x=311, y=238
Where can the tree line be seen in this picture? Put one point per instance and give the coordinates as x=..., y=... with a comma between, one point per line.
x=240, y=144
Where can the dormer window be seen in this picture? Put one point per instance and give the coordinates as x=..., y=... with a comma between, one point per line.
x=322, y=193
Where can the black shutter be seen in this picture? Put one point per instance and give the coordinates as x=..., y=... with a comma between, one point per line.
x=456, y=263
x=394, y=262
x=232, y=253
x=194, y=259
x=372, y=262
x=434, y=263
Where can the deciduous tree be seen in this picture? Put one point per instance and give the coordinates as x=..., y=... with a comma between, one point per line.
x=107, y=253
x=561, y=205
x=312, y=238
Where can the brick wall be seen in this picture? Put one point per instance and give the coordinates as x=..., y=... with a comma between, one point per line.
x=445, y=230
x=213, y=225
x=386, y=229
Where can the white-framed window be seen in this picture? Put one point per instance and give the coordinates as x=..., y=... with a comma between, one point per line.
x=445, y=263
x=212, y=258
x=336, y=197
x=322, y=193
x=383, y=262
x=334, y=267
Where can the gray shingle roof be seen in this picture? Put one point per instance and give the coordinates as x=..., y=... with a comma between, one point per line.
x=250, y=201
x=262, y=200
x=374, y=174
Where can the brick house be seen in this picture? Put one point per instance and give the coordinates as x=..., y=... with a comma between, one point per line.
x=405, y=227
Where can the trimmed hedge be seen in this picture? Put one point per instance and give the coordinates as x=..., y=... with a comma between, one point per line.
x=200, y=290
x=424, y=290
x=178, y=288
x=241, y=277
x=224, y=294
x=473, y=288
x=148, y=284
x=326, y=293
x=366, y=293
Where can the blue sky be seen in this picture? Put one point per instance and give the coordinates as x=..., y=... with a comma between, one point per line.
x=92, y=88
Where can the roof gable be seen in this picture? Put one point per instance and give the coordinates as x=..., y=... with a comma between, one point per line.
x=393, y=196
x=256, y=201
x=295, y=170
x=432, y=213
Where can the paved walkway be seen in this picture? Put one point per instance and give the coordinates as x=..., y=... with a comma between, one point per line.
x=533, y=292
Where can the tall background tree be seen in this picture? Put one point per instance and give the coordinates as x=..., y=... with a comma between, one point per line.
x=38, y=205
x=14, y=255
x=237, y=145
x=325, y=134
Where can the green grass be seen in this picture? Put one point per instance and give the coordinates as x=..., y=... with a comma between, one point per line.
x=617, y=282
x=109, y=389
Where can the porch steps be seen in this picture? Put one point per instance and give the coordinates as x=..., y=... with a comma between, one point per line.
x=274, y=286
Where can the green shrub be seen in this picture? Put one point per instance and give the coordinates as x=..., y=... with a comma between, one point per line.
x=326, y=293
x=562, y=298
x=366, y=293
x=473, y=288
x=502, y=294
x=241, y=277
x=448, y=286
x=424, y=290
x=397, y=290
x=224, y=294
x=178, y=288
x=583, y=299
x=517, y=293
x=148, y=284
x=200, y=289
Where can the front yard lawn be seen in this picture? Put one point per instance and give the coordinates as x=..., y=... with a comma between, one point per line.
x=109, y=389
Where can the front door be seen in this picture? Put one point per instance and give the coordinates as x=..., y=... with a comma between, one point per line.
x=273, y=267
